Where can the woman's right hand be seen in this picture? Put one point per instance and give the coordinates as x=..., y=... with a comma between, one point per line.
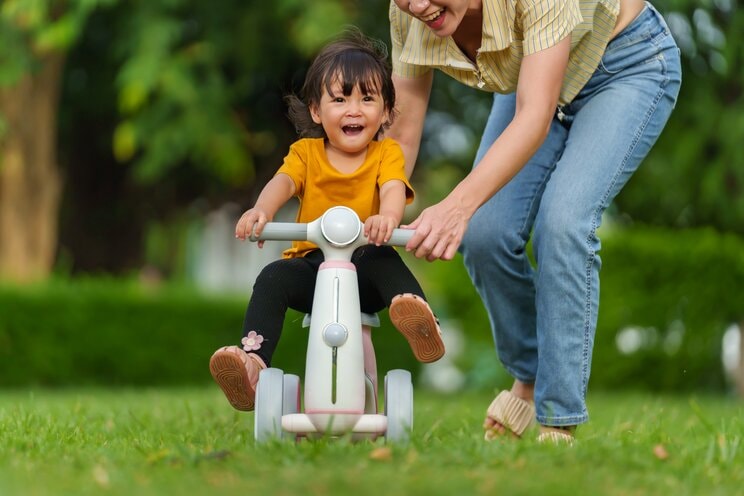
x=439, y=230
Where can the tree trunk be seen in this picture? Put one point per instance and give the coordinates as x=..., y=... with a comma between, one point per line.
x=30, y=183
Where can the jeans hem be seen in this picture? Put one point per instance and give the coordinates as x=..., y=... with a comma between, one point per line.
x=562, y=421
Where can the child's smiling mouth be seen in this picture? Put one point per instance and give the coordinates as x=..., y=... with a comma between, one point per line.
x=352, y=129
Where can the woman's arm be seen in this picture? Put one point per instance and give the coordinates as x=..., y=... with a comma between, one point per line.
x=440, y=228
x=412, y=97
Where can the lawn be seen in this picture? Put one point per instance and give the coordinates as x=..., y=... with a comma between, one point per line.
x=189, y=441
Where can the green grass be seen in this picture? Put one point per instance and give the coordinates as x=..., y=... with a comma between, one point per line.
x=189, y=441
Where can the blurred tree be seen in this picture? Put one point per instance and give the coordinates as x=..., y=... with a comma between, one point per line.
x=190, y=83
x=165, y=102
x=189, y=112
x=35, y=36
x=694, y=176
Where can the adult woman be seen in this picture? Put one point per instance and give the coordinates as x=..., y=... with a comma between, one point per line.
x=582, y=90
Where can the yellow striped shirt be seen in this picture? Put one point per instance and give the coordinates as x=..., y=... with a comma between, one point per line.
x=511, y=30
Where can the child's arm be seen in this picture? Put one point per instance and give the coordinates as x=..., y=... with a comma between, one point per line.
x=378, y=228
x=275, y=194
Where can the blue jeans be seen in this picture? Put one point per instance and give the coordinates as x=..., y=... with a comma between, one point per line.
x=544, y=318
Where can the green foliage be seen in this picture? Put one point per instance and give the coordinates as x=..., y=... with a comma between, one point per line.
x=186, y=69
x=180, y=441
x=32, y=28
x=674, y=292
x=694, y=176
x=99, y=332
x=677, y=291
x=682, y=289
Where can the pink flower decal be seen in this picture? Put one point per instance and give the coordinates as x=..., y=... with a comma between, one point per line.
x=252, y=341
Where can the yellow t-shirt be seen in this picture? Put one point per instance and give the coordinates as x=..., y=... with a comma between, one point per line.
x=511, y=30
x=319, y=185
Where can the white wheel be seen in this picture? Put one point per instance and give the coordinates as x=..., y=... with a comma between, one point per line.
x=291, y=394
x=398, y=406
x=269, y=405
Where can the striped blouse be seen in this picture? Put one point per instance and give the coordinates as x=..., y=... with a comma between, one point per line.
x=511, y=30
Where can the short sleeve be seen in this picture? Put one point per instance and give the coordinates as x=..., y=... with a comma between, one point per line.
x=400, y=24
x=295, y=165
x=546, y=22
x=392, y=166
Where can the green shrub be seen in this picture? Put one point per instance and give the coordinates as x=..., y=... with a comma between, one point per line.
x=678, y=289
x=104, y=332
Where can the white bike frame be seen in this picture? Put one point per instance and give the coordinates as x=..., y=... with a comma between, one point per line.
x=335, y=399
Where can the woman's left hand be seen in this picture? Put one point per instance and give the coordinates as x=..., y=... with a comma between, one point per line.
x=439, y=231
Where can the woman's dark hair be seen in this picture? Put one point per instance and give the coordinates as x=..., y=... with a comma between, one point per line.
x=354, y=60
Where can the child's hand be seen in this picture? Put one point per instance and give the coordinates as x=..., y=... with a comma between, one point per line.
x=252, y=220
x=379, y=228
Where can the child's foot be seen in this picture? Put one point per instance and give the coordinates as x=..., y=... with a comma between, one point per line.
x=236, y=372
x=413, y=317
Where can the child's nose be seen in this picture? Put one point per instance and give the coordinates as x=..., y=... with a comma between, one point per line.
x=353, y=109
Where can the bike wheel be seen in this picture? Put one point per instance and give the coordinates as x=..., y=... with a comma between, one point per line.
x=267, y=417
x=291, y=394
x=398, y=406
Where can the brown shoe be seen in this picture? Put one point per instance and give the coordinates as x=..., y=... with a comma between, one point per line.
x=236, y=372
x=413, y=317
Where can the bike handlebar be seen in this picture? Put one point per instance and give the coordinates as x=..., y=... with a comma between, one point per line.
x=293, y=231
x=282, y=231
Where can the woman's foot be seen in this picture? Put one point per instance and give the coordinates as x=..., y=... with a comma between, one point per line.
x=412, y=316
x=511, y=412
x=236, y=372
x=556, y=435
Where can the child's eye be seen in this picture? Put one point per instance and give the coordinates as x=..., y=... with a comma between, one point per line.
x=368, y=98
x=338, y=99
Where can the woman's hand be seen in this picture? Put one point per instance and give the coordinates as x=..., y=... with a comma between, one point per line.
x=439, y=230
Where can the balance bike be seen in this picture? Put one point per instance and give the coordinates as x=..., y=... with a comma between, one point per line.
x=340, y=394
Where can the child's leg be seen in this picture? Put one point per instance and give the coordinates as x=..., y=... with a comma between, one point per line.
x=287, y=283
x=281, y=284
x=384, y=280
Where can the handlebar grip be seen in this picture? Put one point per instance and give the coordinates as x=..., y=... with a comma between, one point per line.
x=282, y=231
x=400, y=237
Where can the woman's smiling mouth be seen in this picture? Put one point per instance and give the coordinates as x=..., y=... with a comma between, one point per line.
x=433, y=17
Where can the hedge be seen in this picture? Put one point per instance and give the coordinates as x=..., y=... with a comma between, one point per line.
x=679, y=290
x=104, y=332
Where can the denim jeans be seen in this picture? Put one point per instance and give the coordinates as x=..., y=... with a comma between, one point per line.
x=544, y=318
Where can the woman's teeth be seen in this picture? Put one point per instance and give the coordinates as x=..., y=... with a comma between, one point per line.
x=432, y=16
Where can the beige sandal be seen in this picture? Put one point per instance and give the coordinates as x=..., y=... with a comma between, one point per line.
x=511, y=412
x=236, y=372
x=412, y=316
x=555, y=435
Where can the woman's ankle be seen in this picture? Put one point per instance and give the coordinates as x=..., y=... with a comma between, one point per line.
x=523, y=390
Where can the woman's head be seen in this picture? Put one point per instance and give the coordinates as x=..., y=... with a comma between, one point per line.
x=443, y=17
x=353, y=67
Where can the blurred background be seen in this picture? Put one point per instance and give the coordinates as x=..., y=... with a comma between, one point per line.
x=134, y=133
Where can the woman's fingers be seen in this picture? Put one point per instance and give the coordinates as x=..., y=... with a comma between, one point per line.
x=438, y=233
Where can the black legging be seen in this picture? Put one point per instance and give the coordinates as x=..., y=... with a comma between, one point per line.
x=290, y=283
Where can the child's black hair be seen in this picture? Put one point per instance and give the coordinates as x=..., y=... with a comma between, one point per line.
x=356, y=61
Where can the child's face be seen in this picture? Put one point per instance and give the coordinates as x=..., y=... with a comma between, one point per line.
x=350, y=122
